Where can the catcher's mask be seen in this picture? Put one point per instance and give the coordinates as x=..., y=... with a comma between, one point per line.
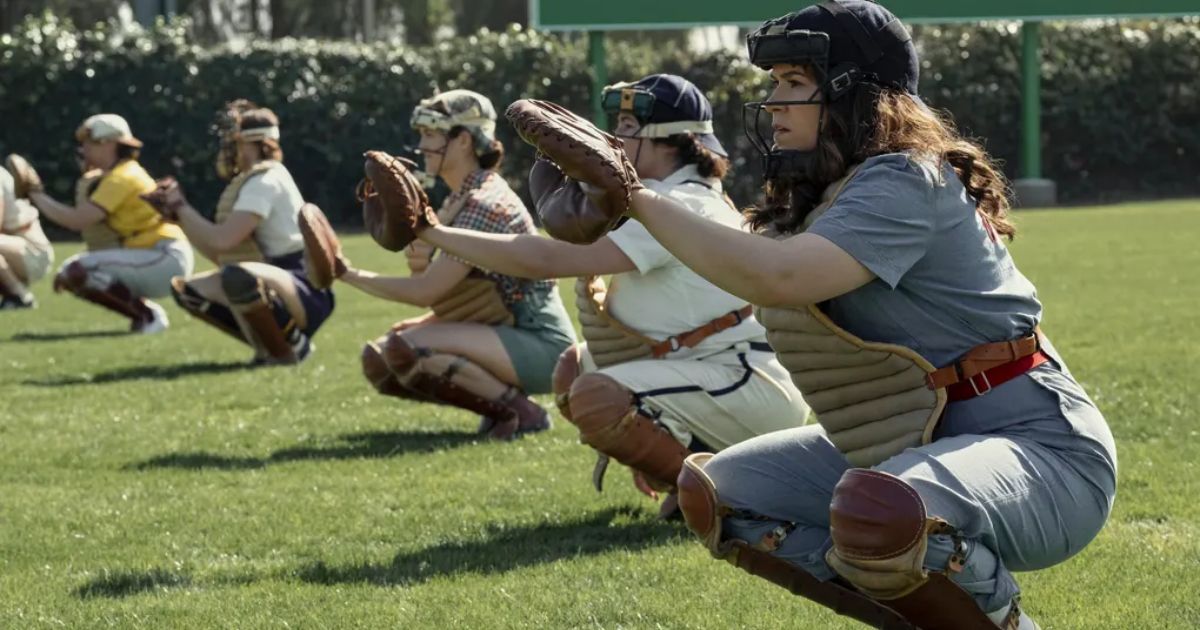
x=630, y=99
x=226, y=126
x=458, y=108
x=845, y=43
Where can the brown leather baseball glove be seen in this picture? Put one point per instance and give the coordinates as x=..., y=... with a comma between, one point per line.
x=322, y=249
x=26, y=178
x=582, y=153
x=167, y=198
x=395, y=206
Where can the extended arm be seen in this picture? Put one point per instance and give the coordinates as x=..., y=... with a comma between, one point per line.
x=72, y=218
x=216, y=238
x=802, y=270
x=529, y=255
x=420, y=290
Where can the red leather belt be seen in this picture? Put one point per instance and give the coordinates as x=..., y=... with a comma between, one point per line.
x=988, y=366
x=986, y=380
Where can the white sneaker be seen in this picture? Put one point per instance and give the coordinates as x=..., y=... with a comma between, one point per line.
x=157, y=324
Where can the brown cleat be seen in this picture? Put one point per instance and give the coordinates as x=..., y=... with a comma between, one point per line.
x=669, y=509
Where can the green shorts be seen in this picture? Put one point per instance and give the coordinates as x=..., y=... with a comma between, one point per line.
x=542, y=331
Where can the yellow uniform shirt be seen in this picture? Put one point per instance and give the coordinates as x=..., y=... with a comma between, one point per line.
x=138, y=224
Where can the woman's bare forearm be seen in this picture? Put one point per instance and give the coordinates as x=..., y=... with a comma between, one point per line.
x=804, y=269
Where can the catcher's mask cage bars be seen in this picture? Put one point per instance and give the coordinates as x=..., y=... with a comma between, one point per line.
x=802, y=48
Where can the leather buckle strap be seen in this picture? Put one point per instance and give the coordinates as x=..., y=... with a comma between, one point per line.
x=988, y=380
x=983, y=358
x=693, y=337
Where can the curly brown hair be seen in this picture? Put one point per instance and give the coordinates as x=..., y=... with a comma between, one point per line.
x=875, y=121
x=692, y=151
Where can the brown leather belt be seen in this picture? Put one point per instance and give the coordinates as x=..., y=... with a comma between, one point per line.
x=692, y=338
x=988, y=365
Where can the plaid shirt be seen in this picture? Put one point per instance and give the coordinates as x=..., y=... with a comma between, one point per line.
x=491, y=206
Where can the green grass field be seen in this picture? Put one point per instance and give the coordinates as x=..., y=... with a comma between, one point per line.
x=157, y=482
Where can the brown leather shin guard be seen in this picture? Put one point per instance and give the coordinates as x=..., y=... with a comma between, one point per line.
x=248, y=298
x=604, y=412
x=880, y=533
x=703, y=513
x=833, y=595
x=402, y=358
x=116, y=298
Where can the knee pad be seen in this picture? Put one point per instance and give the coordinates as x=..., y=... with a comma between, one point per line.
x=608, y=421
x=698, y=502
x=374, y=368
x=241, y=286
x=880, y=533
x=72, y=277
x=400, y=355
x=598, y=404
x=566, y=371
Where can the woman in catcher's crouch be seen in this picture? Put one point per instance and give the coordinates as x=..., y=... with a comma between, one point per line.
x=141, y=251
x=260, y=294
x=25, y=252
x=954, y=446
x=489, y=339
x=672, y=364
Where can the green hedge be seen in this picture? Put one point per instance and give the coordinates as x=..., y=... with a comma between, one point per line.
x=1122, y=117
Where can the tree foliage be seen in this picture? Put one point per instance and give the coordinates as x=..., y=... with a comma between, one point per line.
x=1122, y=117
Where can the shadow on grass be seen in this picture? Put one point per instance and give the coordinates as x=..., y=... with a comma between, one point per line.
x=507, y=550
x=375, y=444
x=142, y=372
x=87, y=334
x=127, y=583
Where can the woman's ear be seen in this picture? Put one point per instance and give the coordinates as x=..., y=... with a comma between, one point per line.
x=466, y=142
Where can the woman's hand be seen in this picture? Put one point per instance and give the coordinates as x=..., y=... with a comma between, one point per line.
x=418, y=255
x=167, y=198
x=412, y=322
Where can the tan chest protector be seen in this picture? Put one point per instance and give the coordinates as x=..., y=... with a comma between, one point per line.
x=97, y=236
x=872, y=399
x=608, y=340
x=476, y=299
x=247, y=250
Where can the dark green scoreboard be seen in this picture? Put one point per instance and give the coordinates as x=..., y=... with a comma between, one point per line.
x=607, y=15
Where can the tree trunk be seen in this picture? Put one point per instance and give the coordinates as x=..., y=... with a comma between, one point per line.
x=279, y=25
x=255, y=27
x=417, y=28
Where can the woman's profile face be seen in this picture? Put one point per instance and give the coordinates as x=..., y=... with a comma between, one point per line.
x=99, y=153
x=248, y=154
x=433, y=147
x=794, y=127
x=650, y=160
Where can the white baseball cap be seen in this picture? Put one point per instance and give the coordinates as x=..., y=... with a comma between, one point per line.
x=107, y=127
